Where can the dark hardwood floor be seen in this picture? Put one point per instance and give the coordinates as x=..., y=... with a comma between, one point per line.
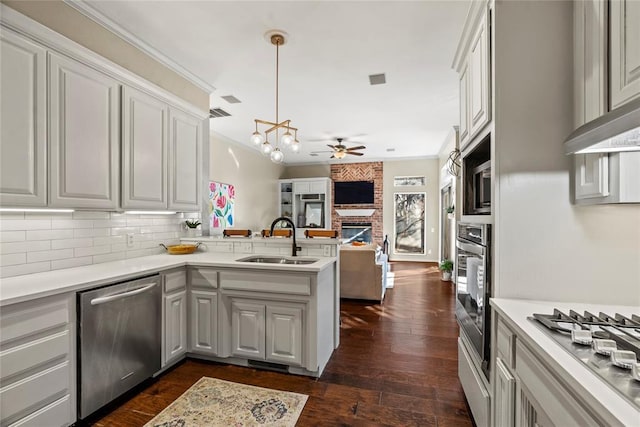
x=396, y=365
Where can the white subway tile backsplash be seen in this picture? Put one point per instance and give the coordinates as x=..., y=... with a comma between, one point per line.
x=20, y=269
x=13, y=259
x=49, y=255
x=71, y=262
x=25, y=246
x=71, y=243
x=32, y=242
x=49, y=234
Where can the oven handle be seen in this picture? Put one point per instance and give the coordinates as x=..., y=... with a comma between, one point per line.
x=474, y=249
x=121, y=295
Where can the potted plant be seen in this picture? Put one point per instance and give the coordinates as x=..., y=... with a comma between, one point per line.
x=450, y=211
x=192, y=225
x=446, y=267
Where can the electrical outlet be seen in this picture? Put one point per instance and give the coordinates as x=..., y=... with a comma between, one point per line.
x=433, y=230
x=130, y=240
x=429, y=252
x=326, y=250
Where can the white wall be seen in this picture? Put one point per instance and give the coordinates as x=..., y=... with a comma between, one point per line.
x=255, y=179
x=450, y=144
x=419, y=167
x=307, y=171
x=546, y=248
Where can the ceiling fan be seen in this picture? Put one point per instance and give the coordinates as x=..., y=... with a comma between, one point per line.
x=340, y=150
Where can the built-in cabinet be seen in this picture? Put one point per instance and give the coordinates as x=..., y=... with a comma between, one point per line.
x=624, y=35
x=306, y=201
x=174, y=316
x=473, y=64
x=69, y=123
x=37, y=362
x=203, y=297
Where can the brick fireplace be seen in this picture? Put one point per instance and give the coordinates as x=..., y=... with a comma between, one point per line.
x=372, y=171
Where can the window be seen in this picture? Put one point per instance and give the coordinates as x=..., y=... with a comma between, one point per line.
x=408, y=181
x=409, y=225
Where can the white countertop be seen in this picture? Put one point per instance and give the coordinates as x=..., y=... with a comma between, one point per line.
x=519, y=310
x=31, y=286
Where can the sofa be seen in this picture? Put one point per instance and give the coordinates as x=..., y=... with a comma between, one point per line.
x=363, y=272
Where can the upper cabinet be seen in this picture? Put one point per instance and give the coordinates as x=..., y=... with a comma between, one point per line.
x=77, y=131
x=23, y=122
x=624, y=37
x=473, y=64
x=84, y=131
x=144, y=151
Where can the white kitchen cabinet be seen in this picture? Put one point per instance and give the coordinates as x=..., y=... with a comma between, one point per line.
x=464, y=108
x=144, y=150
x=247, y=329
x=591, y=175
x=37, y=362
x=174, y=316
x=185, y=155
x=479, y=77
x=302, y=187
x=295, y=194
x=504, y=396
x=204, y=321
x=284, y=334
x=84, y=130
x=23, y=122
x=624, y=67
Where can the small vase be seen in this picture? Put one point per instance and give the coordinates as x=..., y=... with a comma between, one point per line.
x=446, y=276
x=191, y=232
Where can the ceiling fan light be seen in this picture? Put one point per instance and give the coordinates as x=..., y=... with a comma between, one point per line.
x=339, y=154
x=287, y=138
x=295, y=146
x=277, y=156
x=266, y=148
x=257, y=138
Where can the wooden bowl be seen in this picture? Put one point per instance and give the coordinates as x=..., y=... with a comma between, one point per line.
x=182, y=249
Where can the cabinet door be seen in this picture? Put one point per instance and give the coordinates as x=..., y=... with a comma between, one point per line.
x=175, y=326
x=204, y=322
x=464, y=107
x=479, y=72
x=504, y=399
x=302, y=187
x=185, y=157
x=84, y=134
x=144, y=151
x=247, y=329
x=23, y=122
x=591, y=175
x=318, y=187
x=625, y=51
x=284, y=334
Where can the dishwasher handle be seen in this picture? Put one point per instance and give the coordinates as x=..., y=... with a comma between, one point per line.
x=109, y=298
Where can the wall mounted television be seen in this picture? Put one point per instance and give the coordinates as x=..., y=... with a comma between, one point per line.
x=353, y=193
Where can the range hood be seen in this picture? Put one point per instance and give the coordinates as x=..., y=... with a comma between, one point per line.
x=616, y=131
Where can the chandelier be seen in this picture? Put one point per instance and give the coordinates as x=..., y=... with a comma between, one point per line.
x=288, y=139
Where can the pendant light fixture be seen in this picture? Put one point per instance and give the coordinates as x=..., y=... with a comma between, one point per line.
x=288, y=139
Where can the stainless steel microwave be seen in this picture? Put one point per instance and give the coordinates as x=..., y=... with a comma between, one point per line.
x=481, y=188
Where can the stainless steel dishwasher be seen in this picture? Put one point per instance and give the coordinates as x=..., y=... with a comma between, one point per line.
x=119, y=333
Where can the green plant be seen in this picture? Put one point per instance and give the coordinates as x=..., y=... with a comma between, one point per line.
x=192, y=223
x=450, y=209
x=446, y=265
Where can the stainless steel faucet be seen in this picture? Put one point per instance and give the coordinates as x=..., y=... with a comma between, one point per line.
x=295, y=248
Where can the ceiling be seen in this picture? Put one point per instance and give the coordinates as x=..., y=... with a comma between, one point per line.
x=332, y=48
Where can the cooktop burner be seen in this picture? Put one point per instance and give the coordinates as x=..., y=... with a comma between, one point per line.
x=608, y=345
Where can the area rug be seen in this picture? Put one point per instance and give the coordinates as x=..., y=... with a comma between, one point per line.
x=213, y=402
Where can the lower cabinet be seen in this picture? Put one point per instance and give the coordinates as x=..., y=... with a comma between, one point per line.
x=504, y=396
x=37, y=362
x=267, y=331
x=174, y=316
x=204, y=321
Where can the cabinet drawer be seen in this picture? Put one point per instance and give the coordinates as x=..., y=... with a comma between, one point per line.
x=34, y=353
x=477, y=395
x=261, y=282
x=175, y=280
x=31, y=391
x=505, y=344
x=57, y=413
x=203, y=278
x=31, y=318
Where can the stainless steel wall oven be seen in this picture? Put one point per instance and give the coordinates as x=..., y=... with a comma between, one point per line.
x=473, y=290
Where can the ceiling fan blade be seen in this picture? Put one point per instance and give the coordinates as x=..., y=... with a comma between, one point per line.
x=354, y=153
x=359, y=147
x=323, y=151
x=332, y=157
x=331, y=146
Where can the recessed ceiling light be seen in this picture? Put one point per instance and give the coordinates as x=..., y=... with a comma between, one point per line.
x=390, y=150
x=377, y=79
x=231, y=99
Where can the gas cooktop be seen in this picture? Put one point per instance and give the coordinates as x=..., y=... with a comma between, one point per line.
x=608, y=345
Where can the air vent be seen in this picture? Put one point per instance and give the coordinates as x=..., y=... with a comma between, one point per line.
x=231, y=99
x=377, y=79
x=216, y=113
x=390, y=150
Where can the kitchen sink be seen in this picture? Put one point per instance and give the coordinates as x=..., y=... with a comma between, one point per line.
x=277, y=260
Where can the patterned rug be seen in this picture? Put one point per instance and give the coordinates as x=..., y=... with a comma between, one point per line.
x=213, y=402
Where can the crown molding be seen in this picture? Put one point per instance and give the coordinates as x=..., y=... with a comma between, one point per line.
x=98, y=17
